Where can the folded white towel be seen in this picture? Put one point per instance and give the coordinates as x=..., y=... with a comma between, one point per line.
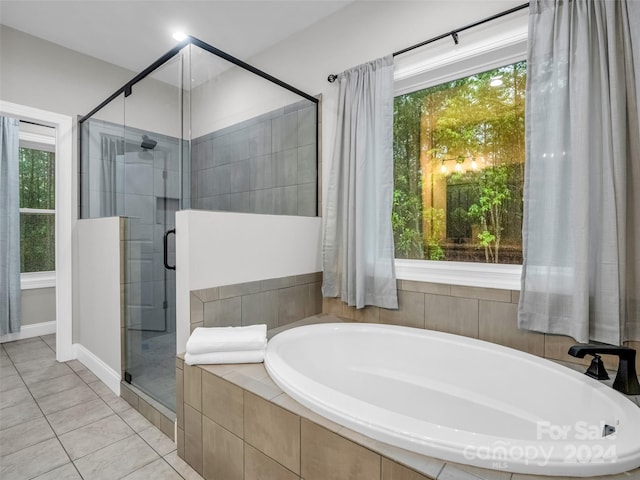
x=247, y=356
x=227, y=339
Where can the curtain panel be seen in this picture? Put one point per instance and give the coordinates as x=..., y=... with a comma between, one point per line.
x=10, y=293
x=358, y=253
x=581, y=226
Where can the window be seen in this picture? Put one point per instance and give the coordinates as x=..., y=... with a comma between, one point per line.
x=459, y=169
x=37, y=207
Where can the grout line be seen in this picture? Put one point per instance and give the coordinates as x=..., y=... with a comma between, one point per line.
x=48, y=423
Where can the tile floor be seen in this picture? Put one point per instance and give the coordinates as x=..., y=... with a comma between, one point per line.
x=58, y=421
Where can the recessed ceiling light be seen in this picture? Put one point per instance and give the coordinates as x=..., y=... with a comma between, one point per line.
x=179, y=36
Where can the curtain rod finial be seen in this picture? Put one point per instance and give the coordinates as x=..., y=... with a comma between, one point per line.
x=332, y=78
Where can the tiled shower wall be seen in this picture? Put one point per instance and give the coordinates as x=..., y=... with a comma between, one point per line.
x=486, y=313
x=274, y=302
x=263, y=165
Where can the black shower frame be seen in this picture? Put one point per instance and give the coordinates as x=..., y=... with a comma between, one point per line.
x=127, y=89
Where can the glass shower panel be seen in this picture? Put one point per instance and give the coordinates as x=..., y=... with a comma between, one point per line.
x=101, y=167
x=152, y=163
x=253, y=145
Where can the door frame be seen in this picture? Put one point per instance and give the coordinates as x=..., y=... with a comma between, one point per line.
x=65, y=217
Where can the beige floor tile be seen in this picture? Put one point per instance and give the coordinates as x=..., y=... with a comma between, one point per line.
x=7, y=371
x=65, y=472
x=24, y=345
x=134, y=419
x=117, y=460
x=158, y=470
x=5, y=360
x=23, y=354
x=86, y=375
x=55, y=385
x=67, y=399
x=33, y=461
x=22, y=341
x=78, y=416
x=96, y=435
x=158, y=441
x=52, y=371
x=20, y=413
x=49, y=339
x=14, y=397
x=101, y=389
x=11, y=382
x=24, y=435
x=75, y=365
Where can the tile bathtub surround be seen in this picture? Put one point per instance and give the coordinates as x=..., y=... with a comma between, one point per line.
x=248, y=429
x=58, y=421
x=485, y=313
x=274, y=302
x=266, y=164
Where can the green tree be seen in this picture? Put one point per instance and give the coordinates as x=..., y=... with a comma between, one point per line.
x=37, y=191
x=406, y=216
x=489, y=210
x=480, y=116
x=436, y=218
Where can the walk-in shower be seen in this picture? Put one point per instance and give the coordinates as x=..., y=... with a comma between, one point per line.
x=197, y=129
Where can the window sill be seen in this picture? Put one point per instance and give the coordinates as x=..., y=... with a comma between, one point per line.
x=486, y=275
x=33, y=280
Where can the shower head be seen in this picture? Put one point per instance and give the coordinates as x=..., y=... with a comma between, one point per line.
x=148, y=143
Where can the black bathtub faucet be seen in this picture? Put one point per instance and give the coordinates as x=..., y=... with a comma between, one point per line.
x=626, y=380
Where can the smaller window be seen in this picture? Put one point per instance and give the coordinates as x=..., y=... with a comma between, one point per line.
x=37, y=209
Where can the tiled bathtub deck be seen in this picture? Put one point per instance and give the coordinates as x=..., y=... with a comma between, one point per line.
x=237, y=423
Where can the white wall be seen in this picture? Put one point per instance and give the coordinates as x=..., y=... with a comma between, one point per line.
x=42, y=75
x=361, y=32
x=221, y=248
x=98, y=335
x=38, y=305
x=231, y=97
x=39, y=74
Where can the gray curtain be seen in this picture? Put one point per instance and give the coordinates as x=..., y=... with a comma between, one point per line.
x=358, y=254
x=9, y=228
x=111, y=147
x=581, y=228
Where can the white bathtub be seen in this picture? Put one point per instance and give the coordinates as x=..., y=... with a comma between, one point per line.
x=457, y=398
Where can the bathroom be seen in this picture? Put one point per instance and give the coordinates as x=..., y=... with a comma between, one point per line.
x=287, y=267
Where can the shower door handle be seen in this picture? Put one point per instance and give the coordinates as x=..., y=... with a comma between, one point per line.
x=166, y=249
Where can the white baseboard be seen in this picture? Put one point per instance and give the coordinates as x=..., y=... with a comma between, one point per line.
x=104, y=372
x=29, y=331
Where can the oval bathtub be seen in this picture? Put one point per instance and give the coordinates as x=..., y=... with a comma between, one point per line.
x=457, y=398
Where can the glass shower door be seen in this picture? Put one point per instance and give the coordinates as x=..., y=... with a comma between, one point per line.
x=153, y=163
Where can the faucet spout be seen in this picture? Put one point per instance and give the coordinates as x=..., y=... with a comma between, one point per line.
x=626, y=380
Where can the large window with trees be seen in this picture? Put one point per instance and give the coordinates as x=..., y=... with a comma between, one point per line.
x=459, y=169
x=37, y=209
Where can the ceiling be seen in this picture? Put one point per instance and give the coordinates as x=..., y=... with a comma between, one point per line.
x=132, y=34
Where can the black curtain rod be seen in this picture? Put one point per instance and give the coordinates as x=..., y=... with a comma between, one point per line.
x=453, y=34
